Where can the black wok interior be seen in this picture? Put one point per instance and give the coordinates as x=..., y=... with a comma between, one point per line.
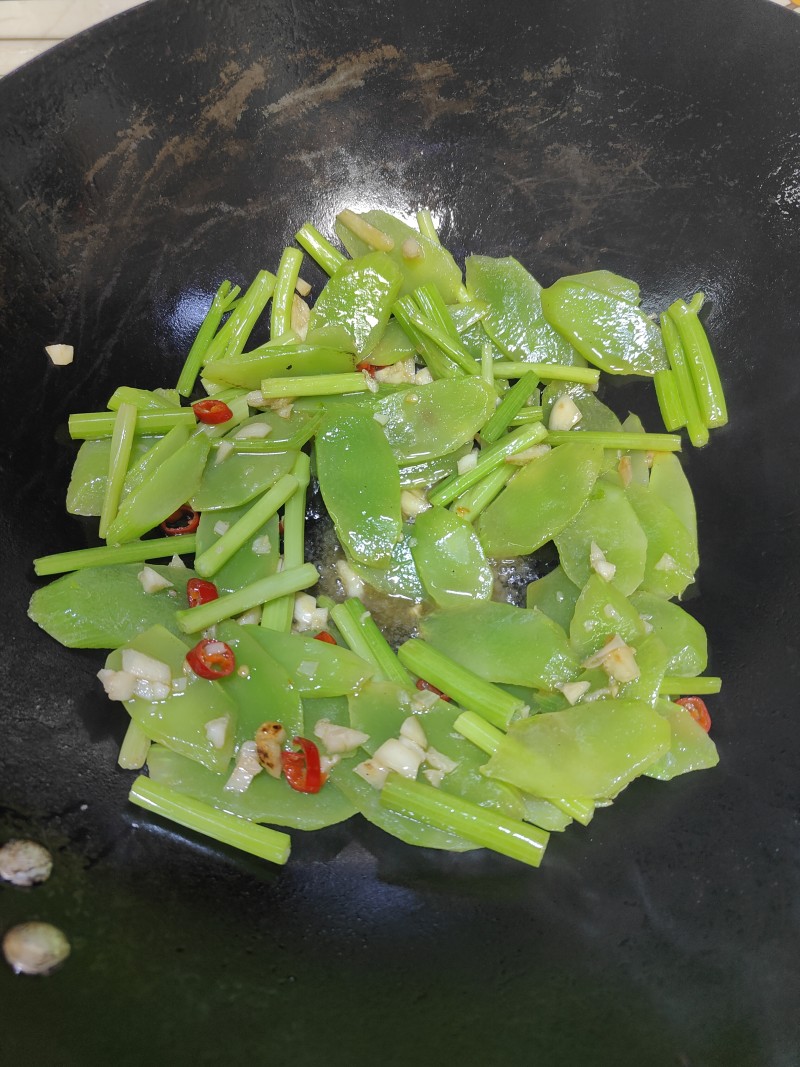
x=185, y=142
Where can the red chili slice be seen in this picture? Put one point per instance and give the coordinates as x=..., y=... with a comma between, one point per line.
x=199, y=591
x=302, y=769
x=184, y=520
x=422, y=684
x=370, y=368
x=211, y=659
x=212, y=411
x=323, y=635
x=698, y=710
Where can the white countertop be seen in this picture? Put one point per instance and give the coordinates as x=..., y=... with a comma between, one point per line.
x=28, y=27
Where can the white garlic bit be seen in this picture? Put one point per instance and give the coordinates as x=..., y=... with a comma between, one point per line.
x=396, y=756
x=372, y=772
x=599, y=564
x=617, y=659
x=307, y=616
x=35, y=948
x=351, y=583
x=337, y=739
x=413, y=502
x=60, y=355
x=412, y=729
x=573, y=691
x=217, y=730
x=152, y=581
x=564, y=414
x=119, y=685
x=247, y=767
x=24, y=862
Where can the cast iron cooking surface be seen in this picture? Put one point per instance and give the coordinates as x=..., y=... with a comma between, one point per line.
x=185, y=142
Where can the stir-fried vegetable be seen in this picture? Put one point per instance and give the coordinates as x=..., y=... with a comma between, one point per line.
x=449, y=428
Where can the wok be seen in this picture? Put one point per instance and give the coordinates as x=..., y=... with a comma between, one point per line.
x=184, y=143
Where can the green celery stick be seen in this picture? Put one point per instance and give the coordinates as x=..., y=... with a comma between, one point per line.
x=695, y=427
x=703, y=685
x=510, y=405
x=89, y=425
x=321, y=250
x=192, y=620
x=142, y=400
x=435, y=360
x=224, y=299
x=231, y=830
x=488, y=460
x=461, y=684
x=487, y=365
x=647, y=442
x=359, y=630
x=134, y=748
x=452, y=348
x=108, y=555
x=232, y=337
x=669, y=400
x=209, y=562
x=277, y=614
x=315, y=385
x=554, y=372
x=432, y=306
x=511, y=837
x=282, y=297
x=530, y=413
x=469, y=504
x=119, y=457
x=701, y=362
x=696, y=303
x=426, y=225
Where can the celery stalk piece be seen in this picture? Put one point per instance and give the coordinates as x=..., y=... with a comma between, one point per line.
x=432, y=306
x=232, y=337
x=191, y=620
x=283, y=295
x=121, y=442
x=452, y=348
x=134, y=748
x=321, y=250
x=315, y=385
x=480, y=732
x=426, y=225
x=277, y=614
x=669, y=400
x=514, y=400
x=209, y=562
x=488, y=460
x=435, y=360
x=703, y=685
x=530, y=413
x=464, y=686
x=646, y=442
x=142, y=399
x=231, y=830
x=487, y=364
x=365, y=231
x=89, y=425
x=701, y=362
x=224, y=299
x=361, y=633
x=553, y=372
x=695, y=427
x=511, y=837
x=108, y=555
x=469, y=504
